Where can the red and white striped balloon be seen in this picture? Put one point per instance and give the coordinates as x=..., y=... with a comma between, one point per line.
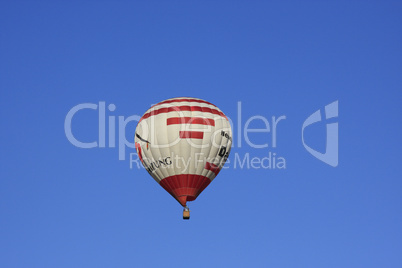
x=183, y=143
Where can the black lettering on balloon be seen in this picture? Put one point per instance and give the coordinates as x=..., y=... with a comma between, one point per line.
x=222, y=151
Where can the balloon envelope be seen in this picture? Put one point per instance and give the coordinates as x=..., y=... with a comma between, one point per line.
x=183, y=143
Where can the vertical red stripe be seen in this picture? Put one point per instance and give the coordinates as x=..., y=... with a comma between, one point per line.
x=138, y=147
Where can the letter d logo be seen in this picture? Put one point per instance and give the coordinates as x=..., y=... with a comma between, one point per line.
x=331, y=152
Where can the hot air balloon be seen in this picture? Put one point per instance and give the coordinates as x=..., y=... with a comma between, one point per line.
x=183, y=143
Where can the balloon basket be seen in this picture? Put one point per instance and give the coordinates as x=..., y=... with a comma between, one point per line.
x=186, y=213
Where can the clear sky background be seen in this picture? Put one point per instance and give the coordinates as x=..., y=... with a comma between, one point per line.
x=63, y=206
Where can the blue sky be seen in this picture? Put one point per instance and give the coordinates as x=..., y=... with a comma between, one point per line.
x=63, y=206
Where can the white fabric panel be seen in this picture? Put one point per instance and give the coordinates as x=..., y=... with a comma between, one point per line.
x=168, y=154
